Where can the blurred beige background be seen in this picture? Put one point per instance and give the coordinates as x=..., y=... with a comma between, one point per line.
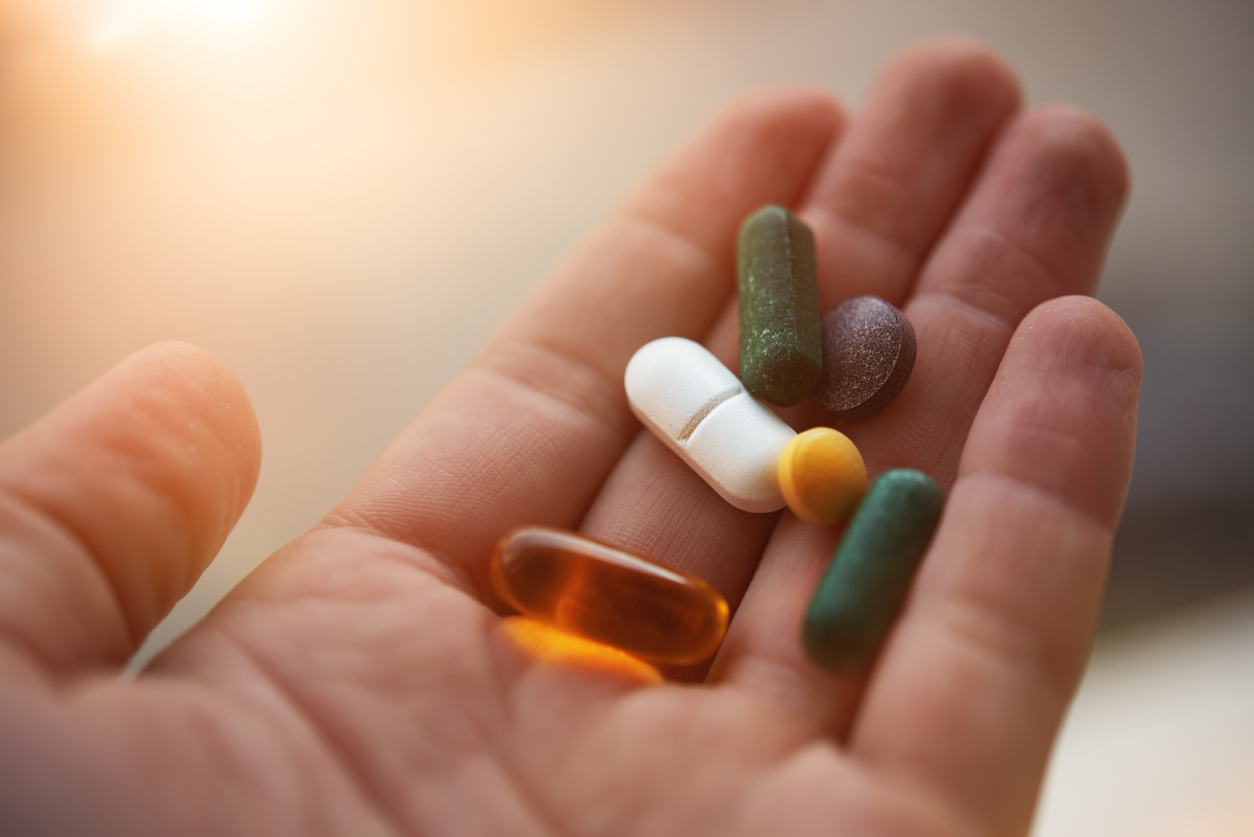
x=341, y=198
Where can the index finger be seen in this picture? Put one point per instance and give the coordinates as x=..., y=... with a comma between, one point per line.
x=529, y=433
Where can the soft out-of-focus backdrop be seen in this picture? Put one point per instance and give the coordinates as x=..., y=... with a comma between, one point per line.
x=341, y=198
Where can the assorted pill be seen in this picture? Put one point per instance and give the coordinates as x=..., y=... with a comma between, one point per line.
x=868, y=354
x=866, y=582
x=608, y=595
x=702, y=412
x=781, y=354
x=822, y=476
x=854, y=363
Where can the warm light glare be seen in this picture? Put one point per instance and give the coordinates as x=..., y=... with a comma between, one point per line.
x=545, y=644
x=138, y=17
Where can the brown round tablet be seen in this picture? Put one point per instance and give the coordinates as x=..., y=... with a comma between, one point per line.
x=868, y=353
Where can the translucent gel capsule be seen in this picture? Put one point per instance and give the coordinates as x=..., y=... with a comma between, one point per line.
x=608, y=595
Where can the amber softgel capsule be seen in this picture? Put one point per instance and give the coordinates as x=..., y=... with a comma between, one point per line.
x=608, y=595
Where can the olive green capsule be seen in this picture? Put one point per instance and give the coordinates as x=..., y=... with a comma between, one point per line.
x=781, y=351
x=864, y=586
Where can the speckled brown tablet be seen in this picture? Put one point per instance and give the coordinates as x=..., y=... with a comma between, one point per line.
x=868, y=353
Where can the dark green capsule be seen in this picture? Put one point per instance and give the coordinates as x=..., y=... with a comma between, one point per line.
x=781, y=351
x=865, y=584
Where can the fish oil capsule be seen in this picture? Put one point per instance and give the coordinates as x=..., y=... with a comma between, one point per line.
x=864, y=586
x=781, y=352
x=700, y=410
x=822, y=476
x=868, y=355
x=608, y=595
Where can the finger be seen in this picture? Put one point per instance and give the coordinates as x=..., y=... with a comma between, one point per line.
x=1053, y=185
x=1034, y=227
x=762, y=652
x=888, y=190
x=974, y=683
x=919, y=140
x=112, y=505
x=531, y=431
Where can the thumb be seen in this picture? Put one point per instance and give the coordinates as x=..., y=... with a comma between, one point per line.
x=113, y=504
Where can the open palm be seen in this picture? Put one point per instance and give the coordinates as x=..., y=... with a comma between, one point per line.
x=359, y=681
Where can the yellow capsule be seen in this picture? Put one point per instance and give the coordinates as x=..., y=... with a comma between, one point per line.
x=822, y=476
x=608, y=595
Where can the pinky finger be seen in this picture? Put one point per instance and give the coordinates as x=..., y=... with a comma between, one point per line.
x=974, y=683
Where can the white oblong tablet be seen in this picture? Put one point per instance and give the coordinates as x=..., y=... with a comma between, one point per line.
x=694, y=404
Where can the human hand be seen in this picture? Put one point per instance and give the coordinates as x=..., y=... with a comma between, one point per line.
x=359, y=681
